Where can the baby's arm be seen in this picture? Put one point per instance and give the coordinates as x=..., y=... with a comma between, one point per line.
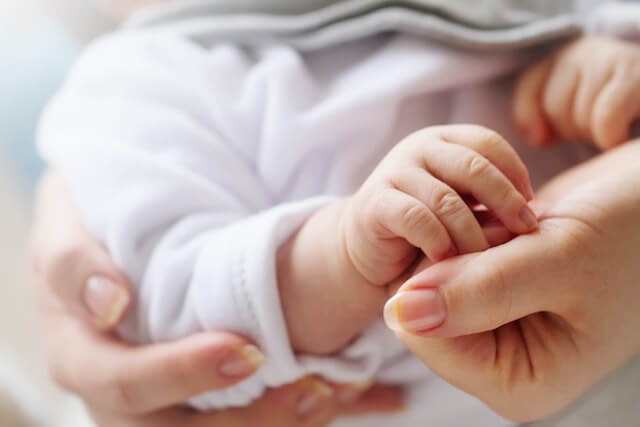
x=144, y=134
x=334, y=271
x=142, y=130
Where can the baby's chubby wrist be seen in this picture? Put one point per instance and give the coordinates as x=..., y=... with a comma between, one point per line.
x=326, y=302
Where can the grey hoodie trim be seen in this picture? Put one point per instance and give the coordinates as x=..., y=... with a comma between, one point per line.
x=316, y=24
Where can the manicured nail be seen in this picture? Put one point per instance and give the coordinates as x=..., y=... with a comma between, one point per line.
x=350, y=393
x=528, y=217
x=313, y=395
x=105, y=299
x=242, y=361
x=415, y=311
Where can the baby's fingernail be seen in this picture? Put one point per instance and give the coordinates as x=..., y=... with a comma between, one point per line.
x=313, y=395
x=528, y=218
x=351, y=393
x=527, y=191
x=415, y=310
x=105, y=299
x=242, y=361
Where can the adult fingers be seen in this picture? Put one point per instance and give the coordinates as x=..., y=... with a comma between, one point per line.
x=309, y=402
x=527, y=107
x=378, y=399
x=480, y=292
x=143, y=379
x=68, y=261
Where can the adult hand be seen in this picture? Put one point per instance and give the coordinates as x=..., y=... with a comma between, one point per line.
x=82, y=295
x=530, y=325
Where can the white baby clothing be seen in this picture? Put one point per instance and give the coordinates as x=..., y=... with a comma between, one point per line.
x=193, y=164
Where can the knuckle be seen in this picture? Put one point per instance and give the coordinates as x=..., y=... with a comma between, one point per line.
x=491, y=140
x=448, y=203
x=508, y=196
x=476, y=166
x=415, y=217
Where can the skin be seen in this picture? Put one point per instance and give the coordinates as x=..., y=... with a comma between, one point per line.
x=349, y=254
x=532, y=324
x=139, y=386
x=147, y=385
x=587, y=91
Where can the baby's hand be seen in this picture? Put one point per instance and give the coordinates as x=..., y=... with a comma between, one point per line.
x=589, y=90
x=413, y=200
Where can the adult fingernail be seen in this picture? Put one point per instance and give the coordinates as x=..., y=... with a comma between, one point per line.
x=350, y=393
x=105, y=299
x=528, y=218
x=313, y=395
x=242, y=361
x=415, y=311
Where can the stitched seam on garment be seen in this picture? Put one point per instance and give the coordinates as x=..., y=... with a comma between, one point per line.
x=248, y=309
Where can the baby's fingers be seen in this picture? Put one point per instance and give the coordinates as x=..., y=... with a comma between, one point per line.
x=469, y=172
x=495, y=148
x=406, y=217
x=447, y=205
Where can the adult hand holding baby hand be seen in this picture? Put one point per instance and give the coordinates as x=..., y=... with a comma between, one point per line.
x=147, y=385
x=530, y=325
x=353, y=252
x=587, y=91
x=414, y=199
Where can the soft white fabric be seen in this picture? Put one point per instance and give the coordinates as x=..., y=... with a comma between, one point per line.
x=194, y=165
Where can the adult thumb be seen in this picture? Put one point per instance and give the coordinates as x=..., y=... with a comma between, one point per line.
x=69, y=265
x=481, y=291
x=459, y=316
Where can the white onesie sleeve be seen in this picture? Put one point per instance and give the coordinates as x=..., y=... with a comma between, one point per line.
x=141, y=133
x=616, y=19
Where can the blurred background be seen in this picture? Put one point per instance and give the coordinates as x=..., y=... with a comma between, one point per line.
x=38, y=42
